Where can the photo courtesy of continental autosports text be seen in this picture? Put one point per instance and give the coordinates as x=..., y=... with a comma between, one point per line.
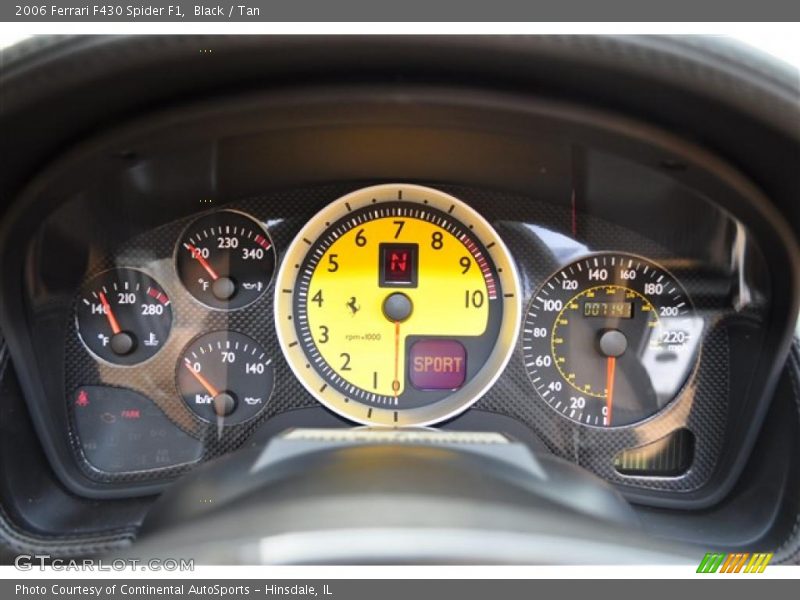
x=174, y=590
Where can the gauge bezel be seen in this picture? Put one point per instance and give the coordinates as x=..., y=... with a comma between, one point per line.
x=440, y=410
x=257, y=223
x=86, y=346
x=690, y=374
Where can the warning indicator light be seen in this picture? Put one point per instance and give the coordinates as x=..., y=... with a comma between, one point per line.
x=83, y=399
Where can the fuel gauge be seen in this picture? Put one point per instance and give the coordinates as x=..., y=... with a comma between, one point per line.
x=225, y=260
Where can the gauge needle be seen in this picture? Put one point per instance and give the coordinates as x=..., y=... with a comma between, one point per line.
x=212, y=391
x=396, y=382
x=611, y=366
x=112, y=320
x=203, y=262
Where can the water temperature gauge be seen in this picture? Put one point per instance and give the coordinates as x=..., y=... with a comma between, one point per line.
x=225, y=377
x=123, y=316
x=225, y=260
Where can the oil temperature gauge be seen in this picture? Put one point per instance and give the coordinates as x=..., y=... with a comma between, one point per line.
x=123, y=316
x=225, y=260
x=225, y=377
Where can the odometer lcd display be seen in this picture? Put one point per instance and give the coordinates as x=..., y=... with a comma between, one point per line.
x=619, y=310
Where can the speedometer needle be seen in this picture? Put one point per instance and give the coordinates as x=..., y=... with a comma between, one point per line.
x=203, y=262
x=611, y=366
x=212, y=391
x=112, y=320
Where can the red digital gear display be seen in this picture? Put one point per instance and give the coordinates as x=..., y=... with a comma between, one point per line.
x=398, y=265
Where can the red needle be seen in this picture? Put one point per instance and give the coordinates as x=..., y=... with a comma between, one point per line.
x=203, y=262
x=212, y=391
x=112, y=320
x=611, y=366
x=396, y=382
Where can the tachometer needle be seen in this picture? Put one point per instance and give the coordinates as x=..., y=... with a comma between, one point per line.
x=396, y=381
x=212, y=391
x=203, y=262
x=112, y=320
x=611, y=366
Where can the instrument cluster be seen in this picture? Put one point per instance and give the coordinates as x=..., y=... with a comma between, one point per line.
x=403, y=305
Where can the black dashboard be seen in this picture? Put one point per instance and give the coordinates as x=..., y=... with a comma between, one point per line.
x=603, y=288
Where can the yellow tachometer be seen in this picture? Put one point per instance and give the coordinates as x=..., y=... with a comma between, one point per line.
x=397, y=305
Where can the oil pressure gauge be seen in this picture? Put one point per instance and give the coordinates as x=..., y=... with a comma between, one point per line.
x=225, y=260
x=225, y=377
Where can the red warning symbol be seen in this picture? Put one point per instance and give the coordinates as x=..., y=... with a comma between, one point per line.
x=83, y=399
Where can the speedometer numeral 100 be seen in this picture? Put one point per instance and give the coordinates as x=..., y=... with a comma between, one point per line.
x=610, y=339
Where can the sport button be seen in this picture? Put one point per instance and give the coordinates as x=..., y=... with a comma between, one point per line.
x=437, y=365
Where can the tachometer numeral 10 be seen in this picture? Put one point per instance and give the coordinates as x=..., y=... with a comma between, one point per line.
x=474, y=298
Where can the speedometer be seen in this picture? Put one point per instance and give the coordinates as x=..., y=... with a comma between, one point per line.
x=610, y=339
x=397, y=305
